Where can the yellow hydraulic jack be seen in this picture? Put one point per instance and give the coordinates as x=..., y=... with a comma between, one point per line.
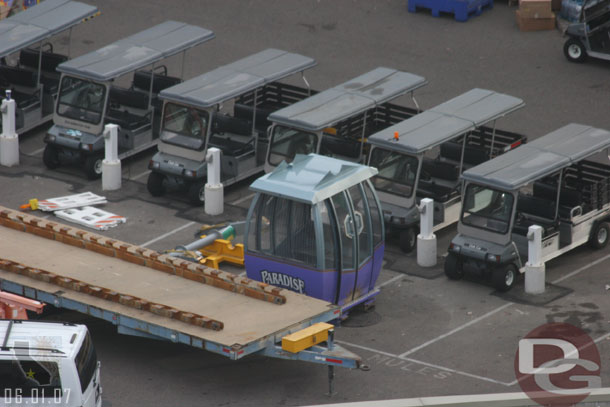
x=214, y=248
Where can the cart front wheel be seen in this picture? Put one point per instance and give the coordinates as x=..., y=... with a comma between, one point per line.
x=407, y=240
x=504, y=277
x=599, y=237
x=453, y=267
x=574, y=50
x=155, y=184
x=196, y=193
x=93, y=166
x=50, y=157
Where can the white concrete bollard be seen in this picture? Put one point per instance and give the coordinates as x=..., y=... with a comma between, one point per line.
x=214, y=191
x=535, y=270
x=9, y=141
x=426, y=240
x=111, y=165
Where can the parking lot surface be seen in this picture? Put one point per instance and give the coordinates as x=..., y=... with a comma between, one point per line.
x=427, y=335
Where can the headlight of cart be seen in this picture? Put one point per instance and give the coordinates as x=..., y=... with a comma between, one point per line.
x=49, y=138
x=493, y=258
x=86, y=147
x=190, y=174
x=455, y=248
x=153, y=165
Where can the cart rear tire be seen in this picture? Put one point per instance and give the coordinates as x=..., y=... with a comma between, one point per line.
x=93, y=166
x=407, y=240
x=504, y=277
x=600, y=235
x=155, y=184
x=453, y=267
x=196, y=193
x=50, y=157
x=574, y=50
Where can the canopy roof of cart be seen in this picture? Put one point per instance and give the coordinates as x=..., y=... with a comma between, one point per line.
x=136, y=51
x=544, y=156
x=232, y=80
x=446, y=121
x=40, y=22
x=348, y=99
x=312, y=178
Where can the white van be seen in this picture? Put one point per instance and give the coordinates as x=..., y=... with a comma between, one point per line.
x=48, y=363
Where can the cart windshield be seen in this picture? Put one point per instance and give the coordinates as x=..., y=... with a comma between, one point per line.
x=396, y=172
x=287, y=142
x=487, y=208
x=184, y=126
x=81, y=99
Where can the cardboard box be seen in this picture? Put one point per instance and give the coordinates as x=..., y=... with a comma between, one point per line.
x=535, y=8
x=535, y=24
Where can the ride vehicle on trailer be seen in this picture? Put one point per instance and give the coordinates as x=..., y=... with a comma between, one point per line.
x=423, y=157
x=590, y=35
x=337, y=121
x=315, y=227
x=552, y=182
x=193, y=121
x=32, y=79
x=48, y=363
x=88, y=100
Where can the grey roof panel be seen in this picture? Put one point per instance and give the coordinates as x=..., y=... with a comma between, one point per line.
x=41, y=21
x=348, y=99
x=312, y=178
x=136, y=51
x=543, y=156
x=236, y=78
x=447, y=121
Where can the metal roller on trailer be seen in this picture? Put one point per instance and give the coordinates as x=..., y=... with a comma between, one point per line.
x=193, y=121
x=423, y=157
x=88, y=100
x=337, y=121
x=555, y=182
x=148, y=294
x=32, y=78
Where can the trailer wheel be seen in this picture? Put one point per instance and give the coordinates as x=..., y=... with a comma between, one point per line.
x=453, y=267
x=93, y=166
x=50, y=157
x=196, y=193
x=407, y=240
x=599, y=237
x=155, y=184
x=504, y=277
x=574, y=50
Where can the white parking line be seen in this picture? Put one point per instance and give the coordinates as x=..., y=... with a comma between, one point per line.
x=242, y=199
x=458, y=329
x=171, y=232
x=140, y=175
x=390, y=281
x=502, y=307
x=36, y=152
x=447, y=369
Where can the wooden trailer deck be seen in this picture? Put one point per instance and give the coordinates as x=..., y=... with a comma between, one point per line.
x=148, y=292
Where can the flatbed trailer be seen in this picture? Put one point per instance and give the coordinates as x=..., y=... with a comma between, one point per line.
x=153, y=295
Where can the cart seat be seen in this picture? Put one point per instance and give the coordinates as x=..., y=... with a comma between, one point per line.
x=19, y=77
x=227, y=124
x=126, y=120
x=141, y=81
x=231, y=147
x=440, y=193
x=441, y=169
x=24, y=99
x=472, y=155
x=245, y=112
x=29, y=58
x=128, y=97
x=532, y=210
x=333, y=145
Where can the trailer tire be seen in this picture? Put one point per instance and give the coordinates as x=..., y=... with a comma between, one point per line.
x=574, y=50
x=196, y=193
x=50, y=157
x=93, y=166
x=600, y=235
x=453, y=267
x=155, y=184
x=407, y=240
x=504, y=277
